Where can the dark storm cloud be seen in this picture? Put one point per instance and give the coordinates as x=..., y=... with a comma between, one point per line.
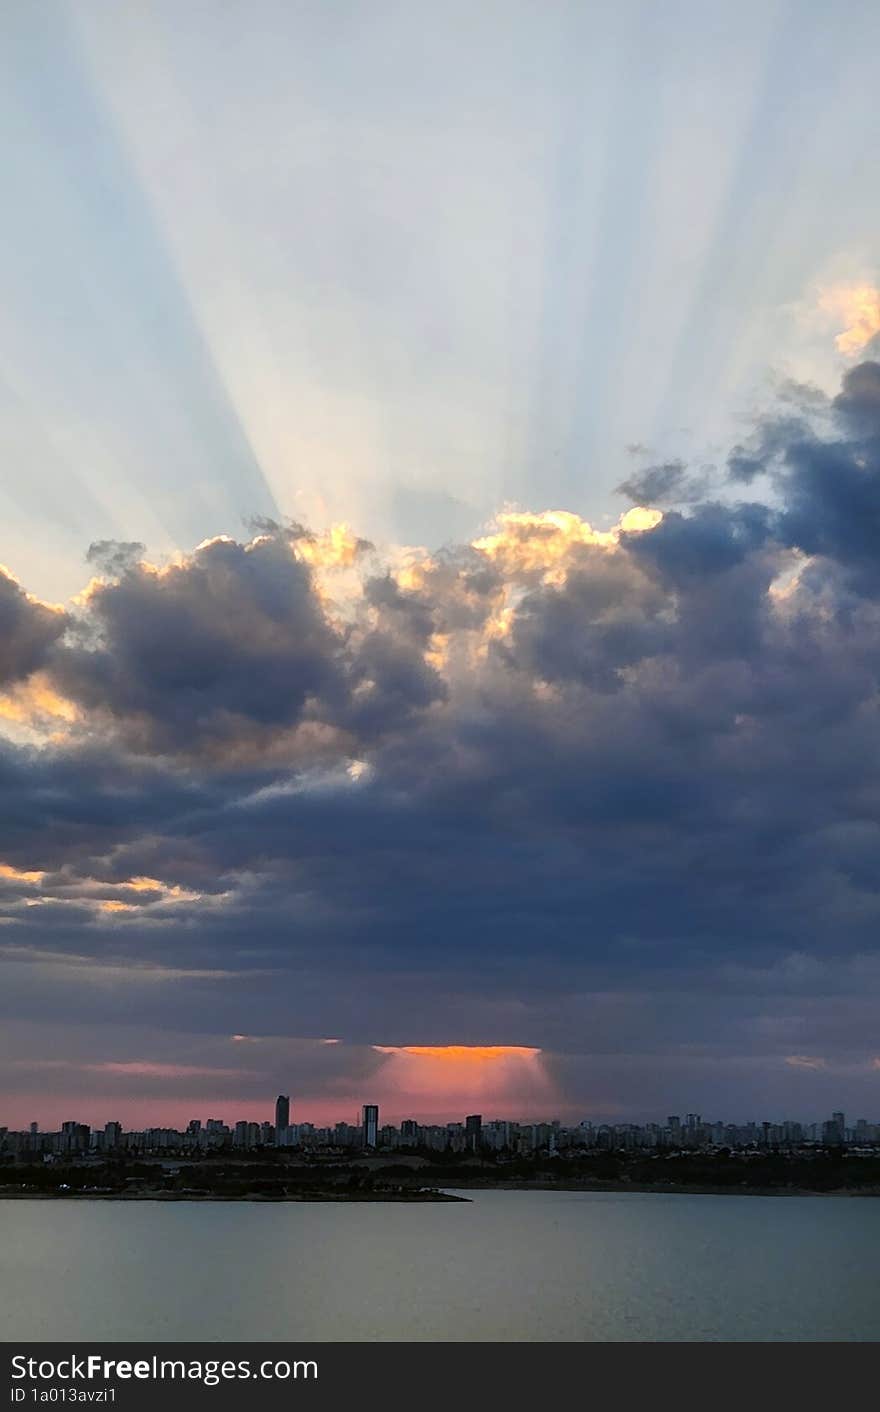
x=178, y=657
x=27, y=631
x=792, y=422
x=688, y=550
x=233, y=646
x=539, y=771
x=608, y=616
x=858, y=403
x=396, y=682
x=828, y=483
x=830, y=486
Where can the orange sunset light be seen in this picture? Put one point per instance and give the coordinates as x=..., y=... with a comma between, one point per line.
x=461, y=1053
x=452, y=1078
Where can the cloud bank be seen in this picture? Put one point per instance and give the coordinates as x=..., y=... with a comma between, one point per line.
x=612, y=794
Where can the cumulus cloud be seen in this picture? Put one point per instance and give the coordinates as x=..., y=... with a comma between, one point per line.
x=508, y=793
x=231, y=642
x=857, y=307
x=859, y=400
x=28, y=630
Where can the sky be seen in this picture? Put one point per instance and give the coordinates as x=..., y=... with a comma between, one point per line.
x=439, y=502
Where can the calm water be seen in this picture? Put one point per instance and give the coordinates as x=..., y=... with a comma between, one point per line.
x=512, y=1266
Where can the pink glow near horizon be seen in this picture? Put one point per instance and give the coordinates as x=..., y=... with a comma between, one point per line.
x=431, y=1083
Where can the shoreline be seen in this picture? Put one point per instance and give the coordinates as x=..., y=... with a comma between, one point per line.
x=201, y=1198
x=444, y=1194
x=665, y=1189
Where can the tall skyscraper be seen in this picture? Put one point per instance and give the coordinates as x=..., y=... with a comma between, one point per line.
x=371, y=1124
x=473, y=1132
x=282, y=1111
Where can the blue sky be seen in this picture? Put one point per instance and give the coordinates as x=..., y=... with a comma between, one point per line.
x=439, y=499
x=399, y=264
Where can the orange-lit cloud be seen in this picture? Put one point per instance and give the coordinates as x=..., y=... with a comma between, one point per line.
x=857, y=307
x=36, y=704
x=148, y=893
x=137, y=896
x=525, y=543
x=338, y=548
x=11, y=874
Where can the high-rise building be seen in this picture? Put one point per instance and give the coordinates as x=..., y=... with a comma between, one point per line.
x=282, y=1111
x=473, y=1132
x=74, y=1137
x=371, y=1124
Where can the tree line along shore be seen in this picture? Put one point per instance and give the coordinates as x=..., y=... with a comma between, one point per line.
x=260, y=1177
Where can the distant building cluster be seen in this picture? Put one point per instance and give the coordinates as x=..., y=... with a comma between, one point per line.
x=499, y=1136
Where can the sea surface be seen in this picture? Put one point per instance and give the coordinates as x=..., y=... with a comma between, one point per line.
x=508, y=1266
